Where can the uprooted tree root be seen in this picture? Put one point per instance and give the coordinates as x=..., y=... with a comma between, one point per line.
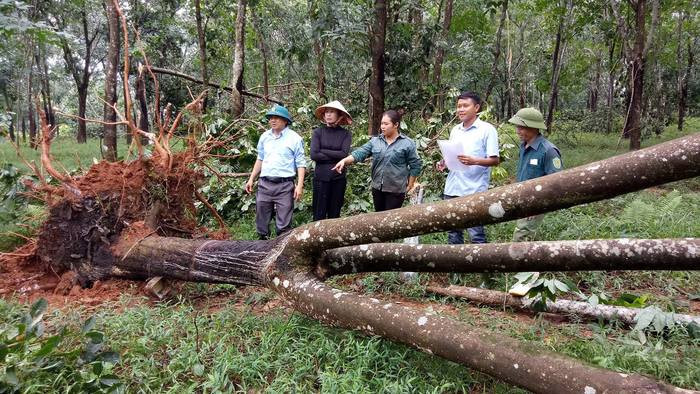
x=131, y=200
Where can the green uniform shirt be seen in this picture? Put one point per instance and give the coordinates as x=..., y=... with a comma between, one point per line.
x=391, y=164
x=539, y=159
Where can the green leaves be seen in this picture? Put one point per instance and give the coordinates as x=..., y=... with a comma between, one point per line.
x=541, y=288
x=28, y=358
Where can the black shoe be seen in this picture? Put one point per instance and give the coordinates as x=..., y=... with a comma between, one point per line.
x=263, y=237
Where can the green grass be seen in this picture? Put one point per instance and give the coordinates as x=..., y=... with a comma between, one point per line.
x=236, y=346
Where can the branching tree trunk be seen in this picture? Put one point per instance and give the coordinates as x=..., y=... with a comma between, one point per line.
x=237, y=102
x=496, y=51
x=635, y=57
x=111, y=69
x=377, y=38
x=283, y=264
x=439, y=56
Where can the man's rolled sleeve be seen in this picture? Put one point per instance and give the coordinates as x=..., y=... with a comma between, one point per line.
x=363, y=152
x=299, y=158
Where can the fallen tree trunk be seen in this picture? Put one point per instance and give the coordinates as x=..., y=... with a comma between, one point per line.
x=583, y=255
x=667, y=162
x=91, y=237
x=504, y=358
x=583, y=309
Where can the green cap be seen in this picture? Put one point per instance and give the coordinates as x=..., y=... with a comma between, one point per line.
x=528, y=117
x=282, y=112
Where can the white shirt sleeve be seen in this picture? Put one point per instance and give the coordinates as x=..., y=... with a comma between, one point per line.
x=492, y=142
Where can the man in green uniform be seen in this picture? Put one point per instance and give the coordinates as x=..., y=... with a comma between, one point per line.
x=538, y=157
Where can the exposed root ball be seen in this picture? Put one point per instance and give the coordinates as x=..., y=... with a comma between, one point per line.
x=132, y=199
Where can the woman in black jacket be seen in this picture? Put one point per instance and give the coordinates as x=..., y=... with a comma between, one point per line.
x=329, y=144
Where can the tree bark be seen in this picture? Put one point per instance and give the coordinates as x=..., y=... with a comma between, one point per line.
x=377, y=38
x=439, y=56
x=264, y=56
x=237, y=103
x=202, y=42
x=496, y=51
x=556, y=65
x=143, y=104
x=569, y=307
x=544, y=256
x=30, y=108
x=635, y=56
x=319, y=51
x=683, y=87
x=611, y=85
x=111, y=69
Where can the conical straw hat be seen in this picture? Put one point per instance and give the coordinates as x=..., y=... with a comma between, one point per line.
x=345, y=116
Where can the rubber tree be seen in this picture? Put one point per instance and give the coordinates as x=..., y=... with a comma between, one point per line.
x=76, y=237
x=237, y=102
x=111, y=70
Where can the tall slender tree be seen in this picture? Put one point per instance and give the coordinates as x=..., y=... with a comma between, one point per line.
x=440, y=55
x=237, y=103
x=79, y=66
x=636, y=43
x=377, y=42
x=110, y=114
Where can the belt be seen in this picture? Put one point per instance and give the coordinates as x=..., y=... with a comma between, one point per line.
x=276, y=179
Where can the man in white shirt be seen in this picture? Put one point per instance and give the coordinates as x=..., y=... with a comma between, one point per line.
x=480, y=142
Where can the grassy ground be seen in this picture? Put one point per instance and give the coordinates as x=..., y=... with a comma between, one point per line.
x=244, y=340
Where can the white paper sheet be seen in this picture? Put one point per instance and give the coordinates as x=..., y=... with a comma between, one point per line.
x=450, y=150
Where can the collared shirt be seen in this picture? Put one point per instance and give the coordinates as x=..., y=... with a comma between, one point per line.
x=479, y=140
x=282, y=154
x=538, y=159
x=391, y=164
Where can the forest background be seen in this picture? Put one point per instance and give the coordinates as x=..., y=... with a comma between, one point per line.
x=607, y=75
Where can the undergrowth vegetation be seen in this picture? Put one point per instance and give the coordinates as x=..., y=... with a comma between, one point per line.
x=199, y=342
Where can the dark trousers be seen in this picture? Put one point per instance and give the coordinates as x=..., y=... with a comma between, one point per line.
x=328, y=198
x=383, y=201
x=477, y=235
x=274, y=197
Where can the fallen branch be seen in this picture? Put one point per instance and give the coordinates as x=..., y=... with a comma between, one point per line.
x=579, y=308
x=174, y=73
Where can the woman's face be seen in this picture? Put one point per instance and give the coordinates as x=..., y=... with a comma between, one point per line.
x=331, y=116
x=387, y=126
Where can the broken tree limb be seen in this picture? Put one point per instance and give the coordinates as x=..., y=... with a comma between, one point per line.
x=541, y=256
x=670, y=161
x=580, y=308
x=502, y=357
x=159, y=70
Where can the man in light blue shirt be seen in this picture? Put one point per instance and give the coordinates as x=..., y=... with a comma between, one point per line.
x=480, y=143
x=280, y=159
